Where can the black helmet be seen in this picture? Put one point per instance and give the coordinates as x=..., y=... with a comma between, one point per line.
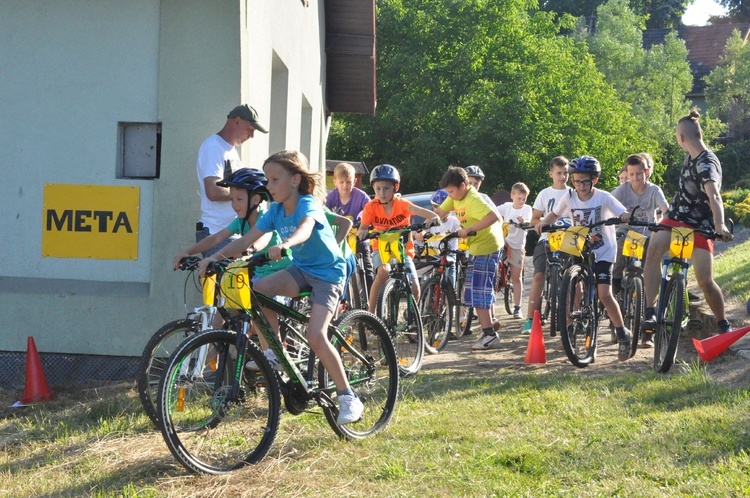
x=475, y=171
x=585, y=164
x=385, y=172
x=252, y=180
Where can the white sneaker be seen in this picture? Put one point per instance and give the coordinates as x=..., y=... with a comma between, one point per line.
x=517, y=312
x=486, y=342
x=271, y=357
x=350, y=409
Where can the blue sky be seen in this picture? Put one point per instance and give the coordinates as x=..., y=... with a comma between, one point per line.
x=698, y=13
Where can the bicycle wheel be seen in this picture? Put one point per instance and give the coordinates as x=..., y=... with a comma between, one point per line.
x=154, y=358
x=436, y=306
x=205, y=428
x=669, y=325
x=403, y=321
x=375, y=380
x=509, y=303
x=553, y=293
x=632, y=308
x=577, y=318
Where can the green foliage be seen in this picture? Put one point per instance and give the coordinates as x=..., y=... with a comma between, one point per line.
x=656, y=13
x=737, y=205
x=487, y=83
x=653, y=81
x=728, y=86
x=739, y=10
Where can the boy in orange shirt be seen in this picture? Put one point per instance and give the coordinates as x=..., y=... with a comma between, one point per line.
x=388, y=211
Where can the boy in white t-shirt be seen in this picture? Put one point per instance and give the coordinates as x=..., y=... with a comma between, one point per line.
x=515, y=243
x=543, y=204
x=587, y=205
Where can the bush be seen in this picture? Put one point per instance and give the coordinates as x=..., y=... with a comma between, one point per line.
x=737, y=205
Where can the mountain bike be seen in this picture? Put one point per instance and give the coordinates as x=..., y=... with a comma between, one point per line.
x=396, y=304
x=671, y=315
x=218, y=415
x=464, y=311
x=630, y=297
x=357, y=292
x=578, y=312
x=557, y=263
x=161, y=345
x=437, y=302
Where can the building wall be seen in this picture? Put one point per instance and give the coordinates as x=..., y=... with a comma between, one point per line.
x=78, y=68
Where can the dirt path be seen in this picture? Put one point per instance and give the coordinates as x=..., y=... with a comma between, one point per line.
x=731, y=368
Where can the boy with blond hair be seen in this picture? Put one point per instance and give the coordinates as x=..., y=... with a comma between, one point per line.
x=516, y=211
x=349, y=201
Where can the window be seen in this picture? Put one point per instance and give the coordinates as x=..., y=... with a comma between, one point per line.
x=139, y=150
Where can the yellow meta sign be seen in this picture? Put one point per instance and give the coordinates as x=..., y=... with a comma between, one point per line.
x=90, y=221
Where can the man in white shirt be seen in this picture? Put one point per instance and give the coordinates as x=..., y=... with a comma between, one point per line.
x=217, y=158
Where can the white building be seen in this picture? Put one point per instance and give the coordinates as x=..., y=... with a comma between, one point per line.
x=104, y=105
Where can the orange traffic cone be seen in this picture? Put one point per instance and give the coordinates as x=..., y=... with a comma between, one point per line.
x=710, y=348
x=36, y=383
x=535, y=351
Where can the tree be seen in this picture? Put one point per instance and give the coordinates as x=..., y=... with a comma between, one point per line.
x=653, y=81
x=738, y=10
x=658, y=13
x=489, y=83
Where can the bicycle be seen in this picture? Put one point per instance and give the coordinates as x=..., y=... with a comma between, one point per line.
x=438, y=298
x=578, y=311
x=553, y=274
x=357, y=292
x=219, y=415
x=396, y=304
x=671, y=316
x=165, y=340
x=464, y=311
x=631, y=294
x=503, y=282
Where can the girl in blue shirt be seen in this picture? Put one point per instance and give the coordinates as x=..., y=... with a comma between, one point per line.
x=317, y=263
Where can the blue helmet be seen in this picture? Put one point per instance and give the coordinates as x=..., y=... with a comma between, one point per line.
x=475, y=171
x=438, y=197
x=252, y=180
x=385, y=172
x=585, y=164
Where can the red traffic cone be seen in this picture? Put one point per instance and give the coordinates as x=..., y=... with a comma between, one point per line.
x=710, y=348
x=535, y=351
x=36, y=383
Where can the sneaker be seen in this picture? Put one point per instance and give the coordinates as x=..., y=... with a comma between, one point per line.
x=350, y=409
x=648, y=341
x=517, y=312
x=724, y=326
x=486, y=342
x=623, y=350
x=272, y=360
x=526, y=327
x=496, y=324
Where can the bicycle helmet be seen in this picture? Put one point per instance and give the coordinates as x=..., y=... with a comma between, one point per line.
x=385, y=172
x=475, y=171
x=438, y=197
x=585, y=164
x=252, y=180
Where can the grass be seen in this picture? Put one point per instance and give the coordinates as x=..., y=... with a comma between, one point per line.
x=731, y=271
x=456, y=433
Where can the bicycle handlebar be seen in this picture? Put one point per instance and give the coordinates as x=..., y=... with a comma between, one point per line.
x=658, y=227
x=609, y=221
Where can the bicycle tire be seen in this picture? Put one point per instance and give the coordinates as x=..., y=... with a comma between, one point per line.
x=375, y=382
x=354, y=292
x=669, y=325
x=553, y=286
x=509, y=303
x=436, y=306
x=632, y=300
x=408, y=341
x=204, y=430
x=154, y=358
x=578, y=337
